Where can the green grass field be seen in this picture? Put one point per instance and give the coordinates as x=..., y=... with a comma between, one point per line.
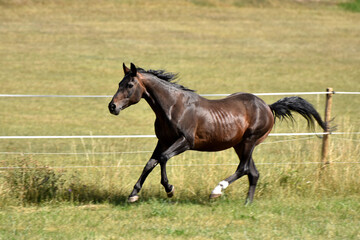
x=77, y=48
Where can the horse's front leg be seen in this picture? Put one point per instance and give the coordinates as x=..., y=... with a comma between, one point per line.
x=147, y=169
x=165, y=182
x=150, y=165
x=179, y=146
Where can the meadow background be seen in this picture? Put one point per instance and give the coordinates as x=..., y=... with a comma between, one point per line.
x=73, y=47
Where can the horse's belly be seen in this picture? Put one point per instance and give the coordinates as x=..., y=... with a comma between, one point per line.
x=217, y=140
x=213, y=146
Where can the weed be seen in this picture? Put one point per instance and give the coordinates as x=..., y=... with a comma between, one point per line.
x=28, y=182
x=353, y=6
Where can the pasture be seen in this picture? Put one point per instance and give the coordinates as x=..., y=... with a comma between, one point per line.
x=77, y=188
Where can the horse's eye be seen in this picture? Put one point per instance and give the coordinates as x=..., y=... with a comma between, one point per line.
x=130, y=85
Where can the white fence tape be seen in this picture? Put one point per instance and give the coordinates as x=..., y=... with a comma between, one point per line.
x=204, y=95
x=54, y=96
x=126, y=152
x=77, y=137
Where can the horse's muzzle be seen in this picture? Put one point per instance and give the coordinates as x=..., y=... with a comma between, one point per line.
x=112, y=109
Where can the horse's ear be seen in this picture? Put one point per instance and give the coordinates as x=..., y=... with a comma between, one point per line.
x=133, y=70
x=126, y=69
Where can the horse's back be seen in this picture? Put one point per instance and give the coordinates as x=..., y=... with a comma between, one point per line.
x=223, y=123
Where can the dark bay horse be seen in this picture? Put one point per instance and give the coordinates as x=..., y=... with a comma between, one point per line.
x=187, y=121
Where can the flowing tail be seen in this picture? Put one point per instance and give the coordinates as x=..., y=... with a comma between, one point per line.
x=282, y=109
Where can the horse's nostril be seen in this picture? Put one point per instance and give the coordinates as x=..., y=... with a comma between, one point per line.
x=112, y=107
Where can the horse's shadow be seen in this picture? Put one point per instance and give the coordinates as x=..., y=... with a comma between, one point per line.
x=97, y=196
x=160, y=199
x=122, y=200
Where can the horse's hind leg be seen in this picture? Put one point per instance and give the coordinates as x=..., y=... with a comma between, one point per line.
x=246, y=167
x=253, y=176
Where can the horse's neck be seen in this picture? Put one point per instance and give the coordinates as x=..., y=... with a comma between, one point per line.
x=160, y=96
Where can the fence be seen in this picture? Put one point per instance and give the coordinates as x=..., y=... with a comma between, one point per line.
x=329, y=93
x=204, y=95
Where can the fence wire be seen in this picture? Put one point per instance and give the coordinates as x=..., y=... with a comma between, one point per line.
x=149, y=151
x=169, y=165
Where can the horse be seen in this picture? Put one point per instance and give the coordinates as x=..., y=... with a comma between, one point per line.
x=187, y=121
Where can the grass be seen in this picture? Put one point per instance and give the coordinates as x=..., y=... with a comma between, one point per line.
x=72, y=47
x=160, y=219
x=353, y=6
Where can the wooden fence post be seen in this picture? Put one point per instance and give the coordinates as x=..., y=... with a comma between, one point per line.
x=325, y=145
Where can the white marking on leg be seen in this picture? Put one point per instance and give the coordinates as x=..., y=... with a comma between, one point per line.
x=133, y=199
x=220, y=187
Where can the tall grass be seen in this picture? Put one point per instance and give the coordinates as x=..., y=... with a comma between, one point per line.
x=287, y=170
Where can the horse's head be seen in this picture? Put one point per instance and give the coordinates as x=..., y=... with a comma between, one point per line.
x=129, y=92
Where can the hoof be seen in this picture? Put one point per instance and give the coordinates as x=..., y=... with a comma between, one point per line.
x=133, y=199
x=215, y=195
x=218, y=190
x=171, y=193
x=248, y=202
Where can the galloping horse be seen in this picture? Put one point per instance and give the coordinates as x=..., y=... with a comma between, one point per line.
x=187, y=121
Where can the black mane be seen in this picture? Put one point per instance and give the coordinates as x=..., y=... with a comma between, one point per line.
x=166, y=76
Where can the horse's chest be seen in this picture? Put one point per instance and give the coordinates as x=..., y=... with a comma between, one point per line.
x=166, y=131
